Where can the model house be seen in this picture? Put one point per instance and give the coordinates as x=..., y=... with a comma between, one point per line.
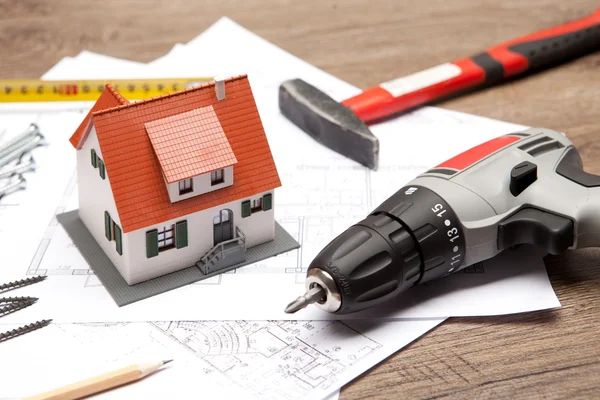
x=178, y=180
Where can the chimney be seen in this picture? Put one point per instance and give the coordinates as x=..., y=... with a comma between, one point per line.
x=220, y=88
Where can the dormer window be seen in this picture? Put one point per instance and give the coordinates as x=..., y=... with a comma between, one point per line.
x=217, y=177
x=186, y=186
x=193, y=151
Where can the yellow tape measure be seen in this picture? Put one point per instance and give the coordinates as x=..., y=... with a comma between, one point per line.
x=25, y=90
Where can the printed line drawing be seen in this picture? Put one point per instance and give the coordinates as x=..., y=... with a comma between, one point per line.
x=272, y=359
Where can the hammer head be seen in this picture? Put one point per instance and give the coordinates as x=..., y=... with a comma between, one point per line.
x=328, y=122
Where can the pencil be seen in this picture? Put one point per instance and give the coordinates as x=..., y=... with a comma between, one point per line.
x=101, y=383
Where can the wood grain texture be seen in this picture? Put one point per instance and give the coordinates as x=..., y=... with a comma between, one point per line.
x=549, y=354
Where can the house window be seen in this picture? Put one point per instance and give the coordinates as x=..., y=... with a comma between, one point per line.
x=264, y=203
x=256, y=205
x=186, y=186
x=217, y=177
x=166, y=238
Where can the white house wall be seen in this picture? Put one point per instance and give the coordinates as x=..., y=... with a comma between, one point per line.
x=201, y=184
x=258, y=228
x=96, y=197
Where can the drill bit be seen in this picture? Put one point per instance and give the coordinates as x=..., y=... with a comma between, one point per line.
x=14, y=307
x=20, y=283
x=314, y=294
x=23, y=330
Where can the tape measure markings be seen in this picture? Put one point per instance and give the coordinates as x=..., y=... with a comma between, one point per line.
x=31, y=90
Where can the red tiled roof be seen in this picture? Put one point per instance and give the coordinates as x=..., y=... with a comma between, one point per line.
x=190, y=144
x=135, y=173
x=109, y=98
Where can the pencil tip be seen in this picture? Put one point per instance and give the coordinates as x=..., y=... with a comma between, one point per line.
x=167, y=361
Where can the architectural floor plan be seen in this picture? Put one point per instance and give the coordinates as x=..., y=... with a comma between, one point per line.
x=276, y=360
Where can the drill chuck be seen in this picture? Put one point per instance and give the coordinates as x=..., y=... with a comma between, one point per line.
x=412, y=237
x=523, y=188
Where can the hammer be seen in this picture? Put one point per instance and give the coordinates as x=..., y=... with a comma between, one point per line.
x=343, y=126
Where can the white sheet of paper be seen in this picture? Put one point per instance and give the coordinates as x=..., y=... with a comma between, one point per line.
x=322, y=194
x=277, y=360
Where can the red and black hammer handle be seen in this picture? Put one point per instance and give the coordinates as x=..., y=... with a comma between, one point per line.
x=518, y=56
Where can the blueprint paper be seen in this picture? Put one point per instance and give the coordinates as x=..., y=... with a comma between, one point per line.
x=322, y=194
x=277, y=360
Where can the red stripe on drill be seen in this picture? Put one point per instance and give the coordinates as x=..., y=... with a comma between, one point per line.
x=377, y=103
x=477, y=153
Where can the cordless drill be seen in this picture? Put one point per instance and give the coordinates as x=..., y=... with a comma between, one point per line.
x=523, y=188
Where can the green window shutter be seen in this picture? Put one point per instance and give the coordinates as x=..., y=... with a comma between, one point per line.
x=181, y=234
x=246, y=209
x=119, y=239
x=102, y=169
x=94, y=158
x=267, y=202
x=107, y=223
x=152, y=243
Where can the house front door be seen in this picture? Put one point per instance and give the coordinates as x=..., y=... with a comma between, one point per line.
x=223, y=226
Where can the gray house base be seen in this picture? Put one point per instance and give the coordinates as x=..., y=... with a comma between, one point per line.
x=124, y=294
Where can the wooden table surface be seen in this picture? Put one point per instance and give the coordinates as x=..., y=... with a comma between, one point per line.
x=548, y=354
